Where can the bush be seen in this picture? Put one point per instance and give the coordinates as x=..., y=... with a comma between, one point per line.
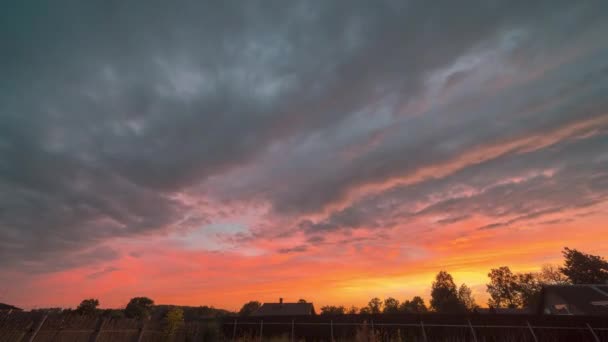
x=174, y=320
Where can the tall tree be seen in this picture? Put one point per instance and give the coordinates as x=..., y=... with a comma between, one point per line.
x=416, y=305
x=249, y=308
x=582, y=268
x=375, y=305
x=88, y=307
x=444, y=296
x=503, y=288
x=465, y=295
x=391, y=306
x=139, y=307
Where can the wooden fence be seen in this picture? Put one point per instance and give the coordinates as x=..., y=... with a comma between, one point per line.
x=38, y=327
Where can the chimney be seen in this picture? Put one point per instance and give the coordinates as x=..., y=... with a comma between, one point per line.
x=280, y=300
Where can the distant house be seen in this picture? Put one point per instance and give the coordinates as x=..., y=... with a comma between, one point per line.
x=574, y=300
x=285, y=309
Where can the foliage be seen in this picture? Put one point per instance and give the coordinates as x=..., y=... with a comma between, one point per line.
x=375, y=305
x=391, y=306
x=113, y=313
x=416, y=305
x=511, y=290
x=302, y=301
x=466, y=297
x=365, y=311
x=507, y=289
x=528, y=289
x=353, y=310
x=333, y=310
x=173, y=321
x=203, y=312
x=139, y=308
x=551, y=275
x=55, y=310
x=444, y=296
x=249, y=308
x=582, y=268
x=88, y=307
x=503, y=288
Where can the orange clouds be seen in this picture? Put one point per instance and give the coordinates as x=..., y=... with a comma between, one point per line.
x=347, y=273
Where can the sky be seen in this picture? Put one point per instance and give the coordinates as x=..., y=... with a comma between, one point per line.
x=216, y=152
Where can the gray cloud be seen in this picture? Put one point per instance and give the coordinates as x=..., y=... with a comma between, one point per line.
x=108, y=110
x=296, y=249
x=103, y=272
x=513, y=189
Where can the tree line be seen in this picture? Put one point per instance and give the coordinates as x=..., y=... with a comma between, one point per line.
x=506, y=289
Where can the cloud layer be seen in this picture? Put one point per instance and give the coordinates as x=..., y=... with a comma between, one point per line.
x=294, y=135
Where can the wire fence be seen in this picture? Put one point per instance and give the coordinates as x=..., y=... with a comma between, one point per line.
x=473, y=330
x=32, y=327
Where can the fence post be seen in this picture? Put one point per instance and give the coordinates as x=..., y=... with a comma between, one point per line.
x=97, y=331
x=292, y=330
x=331, y=325
x=597, y=339
x=261, y=329
x=472, y=330
x=423, y=332
x=532, y=331
x=142, y=329
x=234, y=331
x=38, y=328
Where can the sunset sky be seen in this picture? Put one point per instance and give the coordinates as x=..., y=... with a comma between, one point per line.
x=212, y=153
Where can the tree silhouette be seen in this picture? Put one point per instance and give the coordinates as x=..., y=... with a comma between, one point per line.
x=582, y=268
x=88, y=307
x=528, y=288
x=416, y=305
x=444, y=296
x=249, y=308
x=302, y=301
x=551, y=275
x=332, y=310
x=391, y=306
x=139, y=308
x=353, y=310
x=503, y=288
x=466, y=297
x=375, y=305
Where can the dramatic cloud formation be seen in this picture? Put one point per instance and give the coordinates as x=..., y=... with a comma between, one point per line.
x=213, y=153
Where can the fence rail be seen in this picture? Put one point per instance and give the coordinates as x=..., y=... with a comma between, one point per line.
x=21, y=327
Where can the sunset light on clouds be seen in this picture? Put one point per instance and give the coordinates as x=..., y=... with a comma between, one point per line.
x=221, y=152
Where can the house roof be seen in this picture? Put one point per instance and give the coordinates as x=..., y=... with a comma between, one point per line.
x=589, y=299
x=504, y=311
x=285, y=309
